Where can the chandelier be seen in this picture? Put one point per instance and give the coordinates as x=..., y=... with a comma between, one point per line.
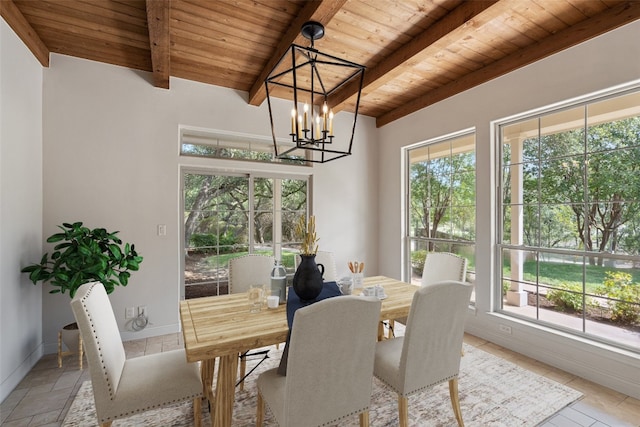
x=309, y=77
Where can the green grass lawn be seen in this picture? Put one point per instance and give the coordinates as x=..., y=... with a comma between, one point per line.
x=222, y=260
x=553, y=273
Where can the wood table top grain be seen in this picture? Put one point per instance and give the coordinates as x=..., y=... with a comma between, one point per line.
x=222, y=325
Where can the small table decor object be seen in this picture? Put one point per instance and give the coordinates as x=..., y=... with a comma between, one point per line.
x=307, y=280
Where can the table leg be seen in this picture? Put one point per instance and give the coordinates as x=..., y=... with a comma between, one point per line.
x=206, y=374
x=225, y=390
x=380, y=331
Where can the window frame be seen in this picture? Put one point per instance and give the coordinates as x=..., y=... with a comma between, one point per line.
x=497, y=302
x=251, y=175
x=408, y=238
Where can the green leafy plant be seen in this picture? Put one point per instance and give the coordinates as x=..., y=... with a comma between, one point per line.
x=83, y=255
x=417, y=260
x=211, y=243
x=568, y=296
x=623, y=295
x=506, y=285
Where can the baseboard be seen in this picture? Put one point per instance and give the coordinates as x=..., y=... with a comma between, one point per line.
x=605, y=365
x=11, y=382
x=150, y=331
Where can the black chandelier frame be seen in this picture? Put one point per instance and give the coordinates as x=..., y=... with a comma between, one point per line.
x=317, y=137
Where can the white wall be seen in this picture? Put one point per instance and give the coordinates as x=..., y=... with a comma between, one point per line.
x=20, y=208
x=606, y=61
x=111, y=158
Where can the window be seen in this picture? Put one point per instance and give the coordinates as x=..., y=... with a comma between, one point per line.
x=441, y=201
x=229, y=215
x=570, y=218
x=233, y=146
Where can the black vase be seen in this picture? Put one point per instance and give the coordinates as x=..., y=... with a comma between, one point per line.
x=307, y=280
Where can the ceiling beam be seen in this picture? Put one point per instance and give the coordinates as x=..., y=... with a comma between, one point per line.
x=449, y=27
x=158, y=24
x=578, y=33
x=16, y=20
x=320, y=11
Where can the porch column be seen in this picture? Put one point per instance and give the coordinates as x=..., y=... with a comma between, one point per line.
x=516, y=295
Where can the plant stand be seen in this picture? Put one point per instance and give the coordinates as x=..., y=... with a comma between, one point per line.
x=70, y=352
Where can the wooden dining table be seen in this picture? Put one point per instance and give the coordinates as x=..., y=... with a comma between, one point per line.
x=221, y=327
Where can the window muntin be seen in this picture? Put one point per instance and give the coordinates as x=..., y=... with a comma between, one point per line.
x=570, y=212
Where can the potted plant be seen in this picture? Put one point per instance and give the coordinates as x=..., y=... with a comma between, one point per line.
x=84, y=255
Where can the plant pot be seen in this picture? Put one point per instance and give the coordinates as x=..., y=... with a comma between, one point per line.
x=71, y=337
x=307, y=281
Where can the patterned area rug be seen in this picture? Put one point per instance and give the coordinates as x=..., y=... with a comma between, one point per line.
x=493, y=392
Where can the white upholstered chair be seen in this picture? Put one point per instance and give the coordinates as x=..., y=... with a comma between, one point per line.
x=438, y=266
x=123, y=387
x=429, y=352
x=328, y=261
x=247, y=270
x=244, y=271
x=330, y=365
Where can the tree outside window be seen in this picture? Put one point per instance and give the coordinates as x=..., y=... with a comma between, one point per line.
x=570, y=214
x=441, y=204
x=226, y=216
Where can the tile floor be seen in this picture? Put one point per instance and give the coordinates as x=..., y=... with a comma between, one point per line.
x=45, y=394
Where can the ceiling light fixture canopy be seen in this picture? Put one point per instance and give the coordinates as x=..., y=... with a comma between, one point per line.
x=309, y=77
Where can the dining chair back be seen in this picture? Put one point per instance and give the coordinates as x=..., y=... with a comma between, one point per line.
x=244, y=271
x=439, y=266
x=247, y=270
x=330, y=365
x=328, y=260
x=429, y=352
x=121, y=386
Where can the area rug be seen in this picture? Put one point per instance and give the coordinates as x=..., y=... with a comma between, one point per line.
x=493, y=392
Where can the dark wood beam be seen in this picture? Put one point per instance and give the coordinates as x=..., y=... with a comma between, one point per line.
x=158, y=23
x=320, y=11
x=16, y=20
x=450, y=27
x=609, y=20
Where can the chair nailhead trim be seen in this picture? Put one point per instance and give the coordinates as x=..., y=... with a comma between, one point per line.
x=328, y=423
x=104, y=368
x=418, y=389
x=157, y=405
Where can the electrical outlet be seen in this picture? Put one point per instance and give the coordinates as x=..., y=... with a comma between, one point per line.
x=504, y=328
x=129, y=313
x=142, y=310
x=162, y=229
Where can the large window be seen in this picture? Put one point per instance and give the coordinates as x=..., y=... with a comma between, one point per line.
x=441, y=201
x=570, y=218
x=227, y=216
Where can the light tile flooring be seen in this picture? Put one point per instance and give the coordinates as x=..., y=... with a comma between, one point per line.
x=45, y=394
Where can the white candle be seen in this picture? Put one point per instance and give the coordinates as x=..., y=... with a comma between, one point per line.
x=324, y=116
x=331, y=122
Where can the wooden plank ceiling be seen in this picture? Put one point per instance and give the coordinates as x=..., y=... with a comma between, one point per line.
x=416, y=52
